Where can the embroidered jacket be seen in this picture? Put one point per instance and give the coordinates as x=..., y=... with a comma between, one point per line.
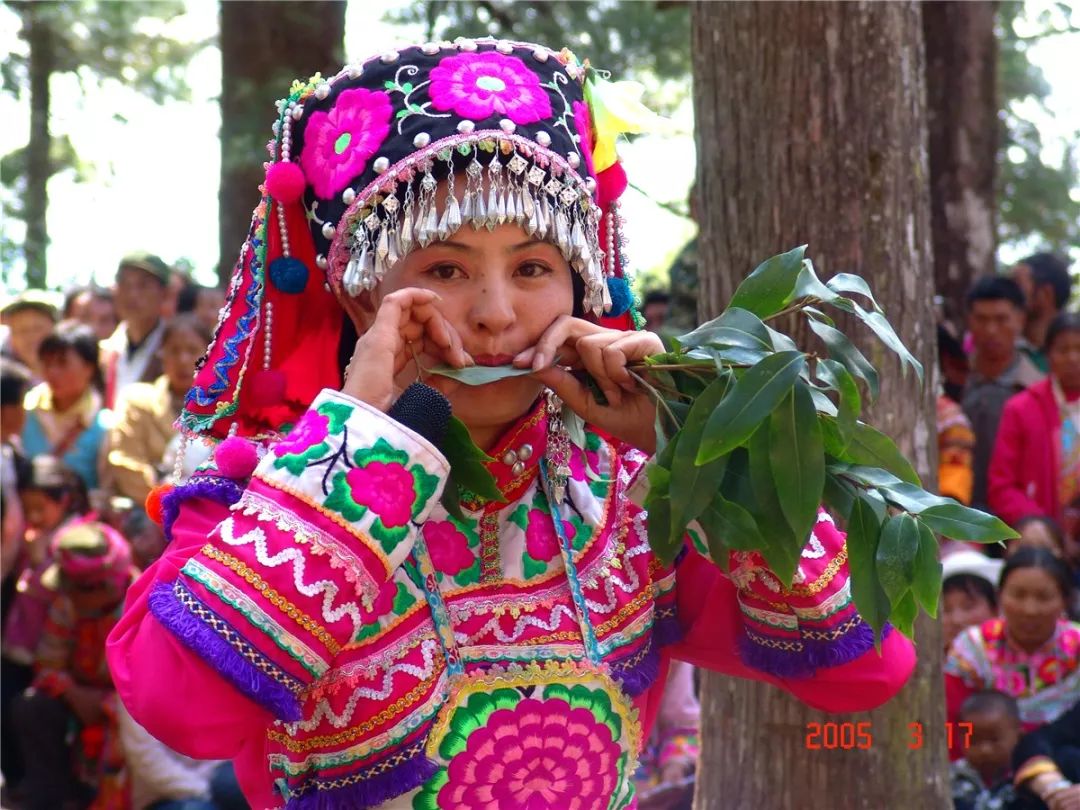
x=349, y=644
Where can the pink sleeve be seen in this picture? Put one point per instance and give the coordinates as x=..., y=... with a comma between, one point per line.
x=165, y=686
x=1005, y=492
x=267, y=593
x=724, y=631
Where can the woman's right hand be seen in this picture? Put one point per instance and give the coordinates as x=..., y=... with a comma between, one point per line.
x=407, y=324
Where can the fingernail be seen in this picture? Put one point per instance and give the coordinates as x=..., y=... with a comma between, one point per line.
x=539, y=361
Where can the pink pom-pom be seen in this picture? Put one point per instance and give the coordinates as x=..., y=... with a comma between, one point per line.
x=266, y=388
x=285, y=182
x=236, y=458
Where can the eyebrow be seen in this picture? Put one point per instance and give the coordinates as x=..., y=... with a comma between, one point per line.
x=512, y=249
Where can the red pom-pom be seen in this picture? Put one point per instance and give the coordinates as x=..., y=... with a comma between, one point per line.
x=610, y=185
x=266, y=388
x=236, y=458
x=285, y=182
x=154, y=507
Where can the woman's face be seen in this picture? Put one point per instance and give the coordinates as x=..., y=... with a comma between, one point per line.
x=1064, y=357
x=1031, y=603
x=178, y=357
x=67, y=375
x=500, y=290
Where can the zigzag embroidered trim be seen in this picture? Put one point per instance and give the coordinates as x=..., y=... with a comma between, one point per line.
x=325, y=588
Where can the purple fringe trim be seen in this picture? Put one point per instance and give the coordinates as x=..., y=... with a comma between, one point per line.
x=223, y=490
x=815, y=654
x=637, y=677
x=217, y=652
x=370, y=791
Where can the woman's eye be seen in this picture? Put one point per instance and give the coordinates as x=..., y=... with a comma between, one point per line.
x=443, y=272
x=533, y=269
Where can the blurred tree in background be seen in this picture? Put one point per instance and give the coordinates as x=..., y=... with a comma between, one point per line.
x=98, y=42
x=1033, y=193
x=265, y=44
x=648, y=41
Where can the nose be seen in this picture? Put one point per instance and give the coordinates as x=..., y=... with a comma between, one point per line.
x=492, y=309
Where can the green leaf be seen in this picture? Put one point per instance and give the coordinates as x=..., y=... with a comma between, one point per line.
x=765, y=290
x=911, y=498
x=873, y=448
x=575, y=426
x=729, y=526
x=850, y=400
x=734, y=327
x=467, y=462
x=816, y=314
x=797, y=458
x=842, y=349
x=748, y=403
x=781, y=547
x=692, y=486
x=658, y=507
x=736, y=356
x=903, y=614
x=849, y=283
x=896, y=555
x=808, y=285
x=883, y=329
x=863, y=536
x=451, y=497
x=478, y=375
x=963, y=523
x=838, y=494
x=927, y=584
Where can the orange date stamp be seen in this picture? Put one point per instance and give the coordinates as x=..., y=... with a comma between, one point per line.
x=850, y=736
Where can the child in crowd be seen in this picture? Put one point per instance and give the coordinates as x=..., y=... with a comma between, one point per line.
x=982, y=779
x=968, y=592
x=71, y=686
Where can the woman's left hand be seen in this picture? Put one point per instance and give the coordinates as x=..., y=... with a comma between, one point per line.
x=605, y=354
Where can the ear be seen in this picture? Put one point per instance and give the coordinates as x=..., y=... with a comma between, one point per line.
x=360, y=309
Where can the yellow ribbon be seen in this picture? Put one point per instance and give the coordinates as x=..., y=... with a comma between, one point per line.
x=616, y=108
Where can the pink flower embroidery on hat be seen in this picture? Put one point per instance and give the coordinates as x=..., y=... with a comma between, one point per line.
x=480, y=85
x=338, y=143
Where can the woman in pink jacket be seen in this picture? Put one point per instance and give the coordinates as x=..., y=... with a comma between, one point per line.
x=1035, y=468
x=321, y=617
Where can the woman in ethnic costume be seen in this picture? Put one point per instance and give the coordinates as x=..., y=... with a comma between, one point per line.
x=319, y=617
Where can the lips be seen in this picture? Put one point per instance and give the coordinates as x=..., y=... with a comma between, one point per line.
x=493, y=359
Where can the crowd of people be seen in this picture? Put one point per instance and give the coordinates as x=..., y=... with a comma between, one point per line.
x=90, y=392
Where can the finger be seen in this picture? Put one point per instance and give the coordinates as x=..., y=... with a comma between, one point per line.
x=554, y=337
x=569, y=389
x=592, y=348
x=620, y=354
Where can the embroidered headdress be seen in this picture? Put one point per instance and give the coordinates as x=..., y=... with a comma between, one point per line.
x=356, y=161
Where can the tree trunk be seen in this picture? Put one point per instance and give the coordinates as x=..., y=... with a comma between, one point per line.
x=962, y=119
x=264, y=46
x=811, y=129
x=39, y=36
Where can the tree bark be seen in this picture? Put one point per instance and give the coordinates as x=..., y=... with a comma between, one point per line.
x=962, y=118
x=39, y=35
x=811, y=129
x=265, y=44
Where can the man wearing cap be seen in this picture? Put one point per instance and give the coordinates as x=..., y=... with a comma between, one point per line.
x=29, y=318
x=131, y=353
